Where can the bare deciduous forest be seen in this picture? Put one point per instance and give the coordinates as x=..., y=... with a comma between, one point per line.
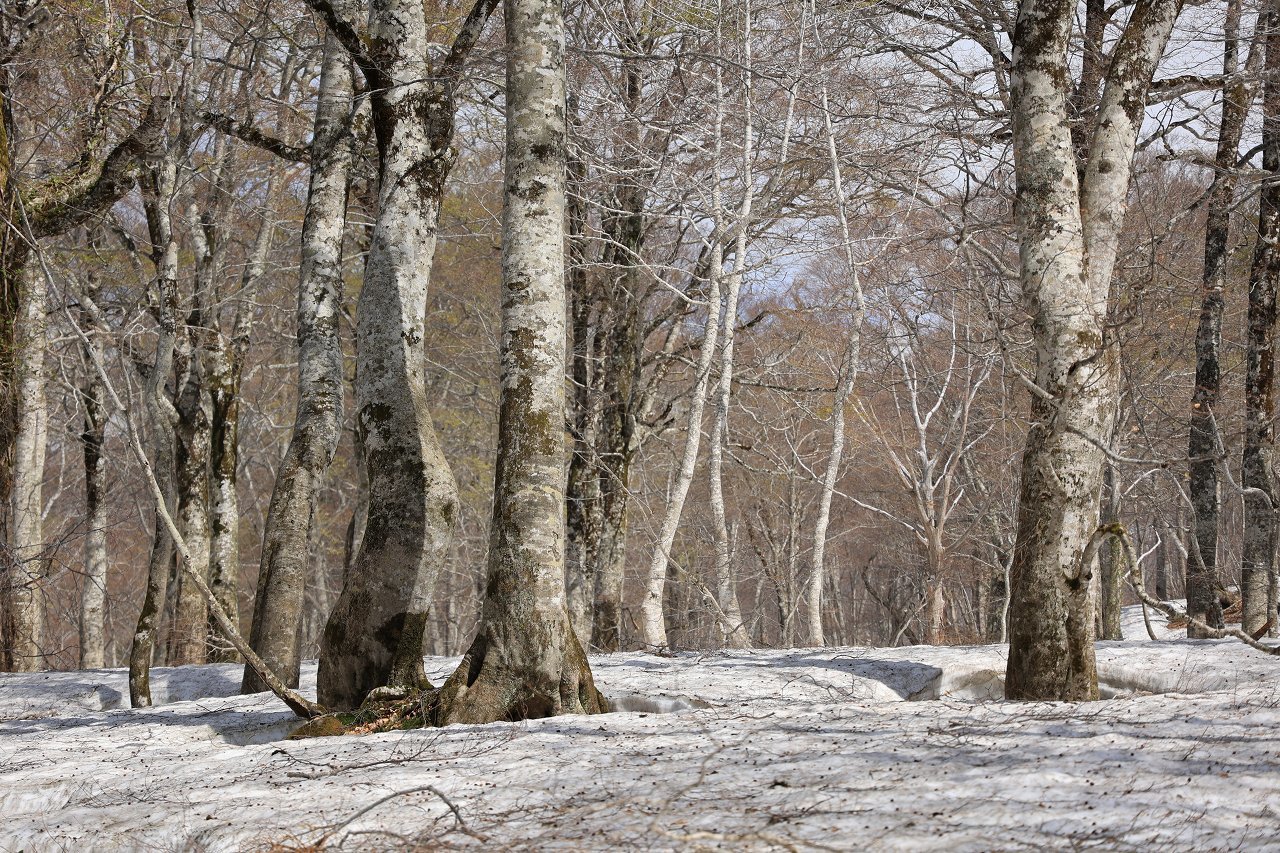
x=533, y=331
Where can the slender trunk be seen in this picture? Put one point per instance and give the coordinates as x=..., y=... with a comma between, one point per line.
x=317, y=428
x=582, y=490
x=1110, y=563
x=1205, y=439
x=653, y=632
x=845, y=380
x=94, y=593
x=160, y=417
x=25, y=642
x=1257, y=558
x=526, y=662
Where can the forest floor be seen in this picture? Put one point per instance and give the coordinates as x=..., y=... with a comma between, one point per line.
x=804, y=749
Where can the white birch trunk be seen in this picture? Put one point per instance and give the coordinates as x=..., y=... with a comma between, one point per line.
x=846, y=378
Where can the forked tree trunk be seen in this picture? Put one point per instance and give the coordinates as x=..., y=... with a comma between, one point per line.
x=1051, y=620
x=1257, y=558
x=94, y=593
x=374, y=636
x=526, y=662
x=317, y=428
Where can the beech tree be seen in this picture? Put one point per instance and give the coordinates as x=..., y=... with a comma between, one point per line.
x=101, y=166
x=317, y=428
x=526, y=661
x=374, y=635
x=1066, y=289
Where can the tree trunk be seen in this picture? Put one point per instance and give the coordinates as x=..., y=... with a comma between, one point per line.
x=25, y=602
x=1111, y=563
x=93, y=595
x=846, y=377
x=1257, y=558
x=582, y=490
x=1051, y=620
x=160, y=417
x=317, y=428
x=374, y=635
x=526, y=662
x=188, y=633
x=653, y=632
x=1205, y=437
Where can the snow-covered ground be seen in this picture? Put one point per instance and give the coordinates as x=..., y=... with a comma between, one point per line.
x=845, y=749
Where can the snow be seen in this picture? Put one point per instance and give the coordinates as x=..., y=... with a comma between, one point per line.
x=885, y=749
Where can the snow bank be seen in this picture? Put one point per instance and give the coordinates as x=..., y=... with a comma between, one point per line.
x=794, y=749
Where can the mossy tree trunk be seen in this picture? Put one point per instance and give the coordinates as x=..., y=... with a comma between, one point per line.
x=1066, y=291
x=374, y=635
x=526, y=662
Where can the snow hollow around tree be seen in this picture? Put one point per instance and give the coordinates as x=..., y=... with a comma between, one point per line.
x=904, y=748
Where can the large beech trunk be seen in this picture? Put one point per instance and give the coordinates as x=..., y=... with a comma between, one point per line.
x=317, y=428
x=24, y=603
x=1051, y=618
x=525, y=661
x=374, y=636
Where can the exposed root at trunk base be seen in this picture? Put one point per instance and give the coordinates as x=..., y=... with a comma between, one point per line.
x=489, y=686
x=508, y=681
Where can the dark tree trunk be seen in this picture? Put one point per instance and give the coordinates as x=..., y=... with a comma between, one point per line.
x=1205, y=440
x=1259, y=395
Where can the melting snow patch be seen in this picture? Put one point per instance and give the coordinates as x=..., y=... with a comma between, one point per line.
x=638, y=703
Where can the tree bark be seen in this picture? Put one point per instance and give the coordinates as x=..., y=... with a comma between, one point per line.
x=317, y=428
x=1258, y=555
x=188, y=633
x=1111, y=567
x=93, y=594
x=582, y=489
x=1205, y=438
x=525, y=661
x=25, y=602
x=1051, y=620
x=374, y=636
